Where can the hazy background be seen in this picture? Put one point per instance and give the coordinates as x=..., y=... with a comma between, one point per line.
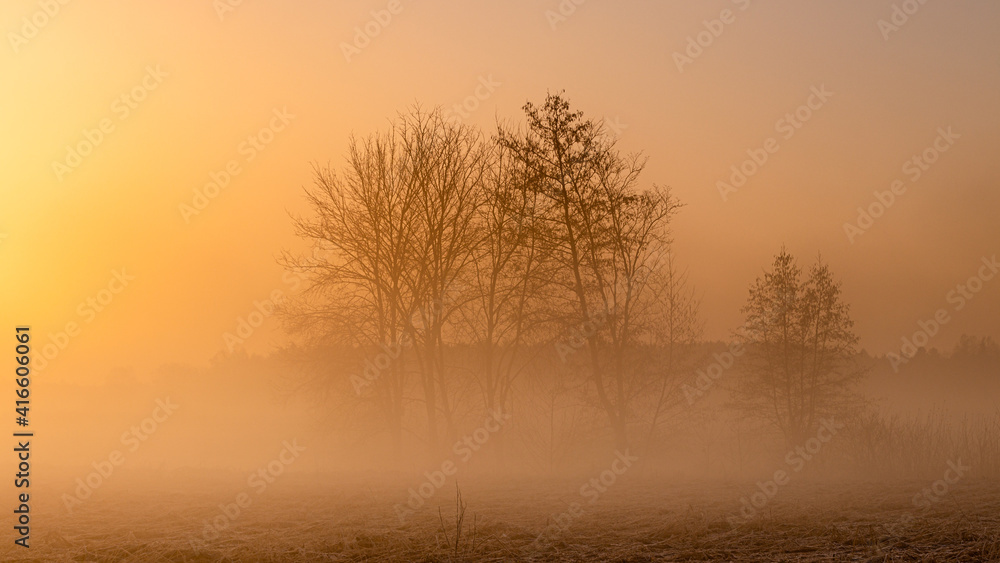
x=120, y=207
x=194, y=279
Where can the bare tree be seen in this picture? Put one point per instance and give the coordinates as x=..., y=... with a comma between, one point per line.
x=397, y=231
x=602, y=230
x=508, y=279
x=453, y=165
x=361, y=234
x=445, y=261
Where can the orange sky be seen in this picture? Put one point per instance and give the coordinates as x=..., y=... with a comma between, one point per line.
x=220, y=80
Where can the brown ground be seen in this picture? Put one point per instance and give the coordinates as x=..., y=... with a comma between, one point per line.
x=630, y=522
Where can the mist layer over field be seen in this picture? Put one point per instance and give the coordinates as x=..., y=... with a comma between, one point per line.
x=882, y=487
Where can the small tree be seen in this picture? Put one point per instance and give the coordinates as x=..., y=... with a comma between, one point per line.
x=801, y=349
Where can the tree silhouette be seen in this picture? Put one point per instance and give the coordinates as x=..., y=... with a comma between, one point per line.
x=801, y=349
x=603, y=232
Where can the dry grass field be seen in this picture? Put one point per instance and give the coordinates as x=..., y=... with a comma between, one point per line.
x=631, y=521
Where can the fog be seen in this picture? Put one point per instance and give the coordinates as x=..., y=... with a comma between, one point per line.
x=561, y=281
